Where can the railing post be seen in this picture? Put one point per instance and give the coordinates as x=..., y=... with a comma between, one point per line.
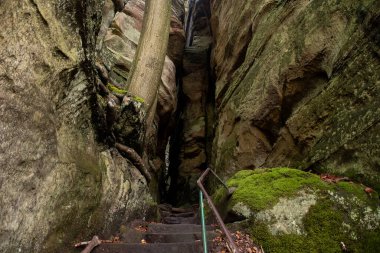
x=204, y=233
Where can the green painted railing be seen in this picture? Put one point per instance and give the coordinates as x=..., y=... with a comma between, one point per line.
x=203, y=192
x=203, y=222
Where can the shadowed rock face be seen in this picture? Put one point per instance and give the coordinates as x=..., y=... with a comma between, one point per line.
x=297, y=84
x=57, y=184
x=189, y=141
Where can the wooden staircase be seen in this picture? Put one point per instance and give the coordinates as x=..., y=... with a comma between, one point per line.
x=178, y=232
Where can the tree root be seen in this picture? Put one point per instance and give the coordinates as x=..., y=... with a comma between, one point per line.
x=135, y=158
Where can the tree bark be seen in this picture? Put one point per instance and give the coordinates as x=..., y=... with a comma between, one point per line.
x=147, y=67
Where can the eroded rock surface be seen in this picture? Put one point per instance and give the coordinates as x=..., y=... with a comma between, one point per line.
x=58, y=183
x=297, y=84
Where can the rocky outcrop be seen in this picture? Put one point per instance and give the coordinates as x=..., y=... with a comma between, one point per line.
x=296, y=85
x=121, y=39
x=288, y=210
x=72, y=156
x=62, y=180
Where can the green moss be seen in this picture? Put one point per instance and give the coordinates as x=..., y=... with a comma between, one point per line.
x=226, y=152
x=139, y=99
x=262, y=188
x=370, y=241
x=324, y=232
x=332, y=220
x=220, y=199
x=354, y=189
x=282, y=243
x=324, y=227
x=117, y=90
x=219, y=195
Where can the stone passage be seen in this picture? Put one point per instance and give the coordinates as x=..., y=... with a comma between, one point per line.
x=191, y=142
x=179, y=232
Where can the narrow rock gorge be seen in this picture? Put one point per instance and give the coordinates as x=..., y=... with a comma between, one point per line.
x=190, y=152
x=280, y=98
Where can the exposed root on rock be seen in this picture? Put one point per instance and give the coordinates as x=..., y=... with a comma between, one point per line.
x=135, y=158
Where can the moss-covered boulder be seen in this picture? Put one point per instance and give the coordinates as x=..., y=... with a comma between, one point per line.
x=288, y=210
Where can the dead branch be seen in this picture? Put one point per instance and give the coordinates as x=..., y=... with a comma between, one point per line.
x=91, y=244
x=135, y=158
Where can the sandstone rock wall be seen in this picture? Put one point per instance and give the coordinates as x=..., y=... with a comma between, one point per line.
x=297, y=84
x=59, y=182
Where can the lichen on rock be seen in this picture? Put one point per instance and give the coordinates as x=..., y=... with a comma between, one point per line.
x=286, y=216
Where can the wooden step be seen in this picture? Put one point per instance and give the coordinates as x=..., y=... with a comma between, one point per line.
x=184, y=247
x=179, y=220
x=176, y=237
x=170, y=214
x=177, y=228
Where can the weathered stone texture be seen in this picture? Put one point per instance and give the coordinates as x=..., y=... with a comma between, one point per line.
x=57, y=183
x=299, y=82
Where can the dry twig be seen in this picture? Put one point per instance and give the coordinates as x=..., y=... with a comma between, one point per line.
x=90, y=244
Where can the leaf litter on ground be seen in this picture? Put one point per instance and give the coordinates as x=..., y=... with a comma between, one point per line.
x=242, y=241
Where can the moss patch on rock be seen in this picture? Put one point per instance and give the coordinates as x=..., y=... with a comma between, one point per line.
x=295, y=211
x=116, y=89
x=262, y=188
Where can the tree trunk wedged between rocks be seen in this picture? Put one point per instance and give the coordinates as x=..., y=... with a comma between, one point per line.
x=122, y=112
x=150, y=56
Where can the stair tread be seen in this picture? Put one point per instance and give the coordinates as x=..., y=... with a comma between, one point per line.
x=187, y=214
x=180, y=247
x=180, y=220
x=176, y=237
x=176, y=228
x=177, y=233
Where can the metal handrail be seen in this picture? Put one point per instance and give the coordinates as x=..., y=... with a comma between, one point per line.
x=220, y=180
x=204, y=233
x=231, y=242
